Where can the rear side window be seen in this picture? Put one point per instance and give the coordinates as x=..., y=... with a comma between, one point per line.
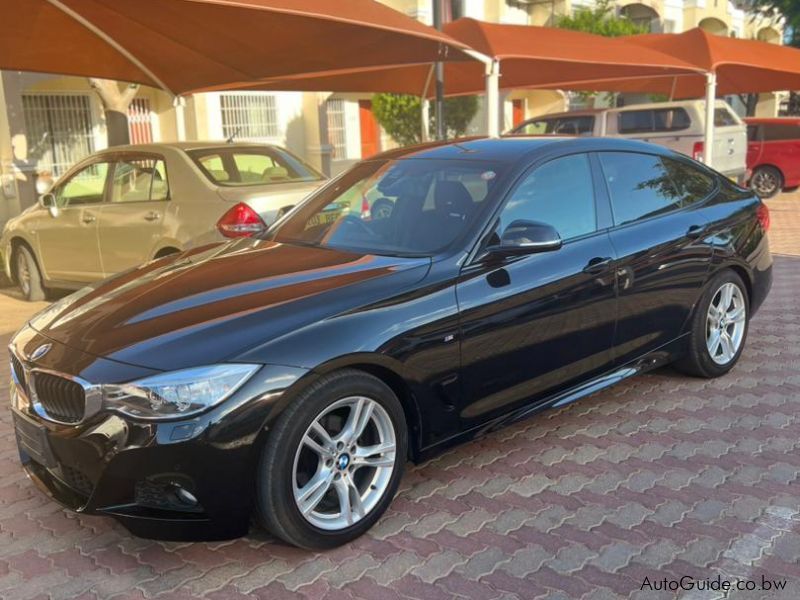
x=777, y=131
x=753, y=133
x=139, y=180
x=670, y=119
x=635, y=121
x=559, y=193
x=645, y=185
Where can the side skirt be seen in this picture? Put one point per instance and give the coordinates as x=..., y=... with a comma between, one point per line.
x=653, y=360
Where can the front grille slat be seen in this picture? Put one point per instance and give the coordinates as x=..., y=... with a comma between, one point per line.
x=61, y=398
x=19, y=373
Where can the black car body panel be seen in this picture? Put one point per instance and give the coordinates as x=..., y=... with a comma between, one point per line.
x=467, y=341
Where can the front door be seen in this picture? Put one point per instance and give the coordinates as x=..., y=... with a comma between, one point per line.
x=68, y=242
x=534, y=325
x=132, y=221
x=370, y=131
x=663, y=257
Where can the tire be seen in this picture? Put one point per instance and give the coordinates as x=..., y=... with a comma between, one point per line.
x=27, y=275
x=705, y=357
x=289, y=467
x=766, y=181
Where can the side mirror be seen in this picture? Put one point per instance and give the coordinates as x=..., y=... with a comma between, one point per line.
x=527, y=237
x=48, y=201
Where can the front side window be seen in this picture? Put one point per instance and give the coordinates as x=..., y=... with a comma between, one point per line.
x=635, y=121
x=640, y=185
x=87, y=186
x=140, y=180
x=232, y=166
x=559, y=193
x=430, y=204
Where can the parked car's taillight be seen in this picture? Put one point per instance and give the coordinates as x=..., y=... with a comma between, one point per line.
x=240, y=221
x=762, y=214
x=697, y=151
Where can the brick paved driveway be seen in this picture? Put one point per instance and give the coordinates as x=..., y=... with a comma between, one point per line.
x=662, y=476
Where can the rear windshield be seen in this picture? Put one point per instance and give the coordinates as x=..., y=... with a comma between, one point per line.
x=240, y=167
x=577, y=125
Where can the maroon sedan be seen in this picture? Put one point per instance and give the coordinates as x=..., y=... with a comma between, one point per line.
x=773, y=154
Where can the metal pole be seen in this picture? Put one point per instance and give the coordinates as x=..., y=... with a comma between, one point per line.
x=180, y=117
x=493, y=99
x=439, y=69
x=711, y=100
x=426, y=107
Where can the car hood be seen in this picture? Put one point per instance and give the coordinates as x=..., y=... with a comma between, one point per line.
x=213, y=303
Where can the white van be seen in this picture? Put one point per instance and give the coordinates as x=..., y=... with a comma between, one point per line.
x=676, y=125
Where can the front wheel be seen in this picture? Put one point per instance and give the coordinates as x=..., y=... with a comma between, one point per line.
x=28, y=276
x=719, y=327
x=332, y=464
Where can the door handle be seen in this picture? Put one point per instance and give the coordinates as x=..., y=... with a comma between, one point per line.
x=152, y=216
x=89, y=219
x=597, y=265
x=696, y=231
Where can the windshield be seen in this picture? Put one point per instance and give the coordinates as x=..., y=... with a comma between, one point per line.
x=406, y=207
x=237, y=166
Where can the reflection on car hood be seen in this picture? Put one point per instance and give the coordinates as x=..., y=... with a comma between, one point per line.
x=214, y=302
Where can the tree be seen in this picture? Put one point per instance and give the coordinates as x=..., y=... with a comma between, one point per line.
x=115, y=106
x=601, y=19
x=401, y=114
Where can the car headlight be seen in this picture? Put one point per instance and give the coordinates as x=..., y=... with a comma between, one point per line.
x=177, y=393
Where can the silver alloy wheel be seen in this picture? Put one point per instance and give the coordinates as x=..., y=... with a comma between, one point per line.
x=725, y=323
x=344, y=463
x=765, y=182
x=23, y=273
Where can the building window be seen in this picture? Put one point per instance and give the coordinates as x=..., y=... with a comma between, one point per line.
x=249, y=116
x=140, y=127
x=336, y=129
x=59, y=130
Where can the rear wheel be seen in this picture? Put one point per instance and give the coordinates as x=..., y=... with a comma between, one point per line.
x=27, y=275
x=766, y=181
x=719, y=328
x=332, y=464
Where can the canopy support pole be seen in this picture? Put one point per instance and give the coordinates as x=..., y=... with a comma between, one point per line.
x=711, y=100
x=493, y=99
x=180, y=117
x=425, y=105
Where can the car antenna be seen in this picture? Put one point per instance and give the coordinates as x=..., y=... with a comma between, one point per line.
x=232, y=136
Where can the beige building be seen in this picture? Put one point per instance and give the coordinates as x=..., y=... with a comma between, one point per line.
x=47, y=123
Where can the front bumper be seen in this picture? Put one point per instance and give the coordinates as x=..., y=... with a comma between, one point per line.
x=188, y=479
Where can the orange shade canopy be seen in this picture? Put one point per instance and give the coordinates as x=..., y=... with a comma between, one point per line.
x=529, y=57
x=184, y=45
x=741, y=66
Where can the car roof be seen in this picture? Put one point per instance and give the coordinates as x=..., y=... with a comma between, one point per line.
x=515, y=148
x=198, y=145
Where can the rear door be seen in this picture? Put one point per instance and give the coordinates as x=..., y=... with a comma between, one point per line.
x=132, y=221
x=755, y=145
x=68, y=243
x=659, y=239
x=781, y=148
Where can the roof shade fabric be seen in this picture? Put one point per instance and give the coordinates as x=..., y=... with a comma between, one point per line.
x=741, y=66
x=529, y=57
x=184, y=45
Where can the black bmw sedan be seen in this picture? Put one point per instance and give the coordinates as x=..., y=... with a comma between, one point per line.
x=290, y=377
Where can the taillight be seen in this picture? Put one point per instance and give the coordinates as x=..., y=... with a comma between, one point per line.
x=762, y=214
x=697, y=151
x=366, y=213
x=240, y=221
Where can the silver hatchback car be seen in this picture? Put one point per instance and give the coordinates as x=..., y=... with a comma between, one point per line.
x=127, y=205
